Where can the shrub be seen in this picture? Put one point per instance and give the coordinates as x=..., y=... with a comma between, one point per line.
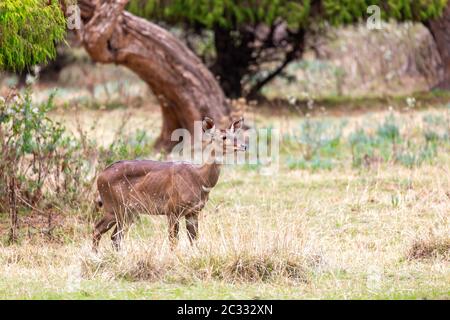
x=40, y=165
x=319, y=142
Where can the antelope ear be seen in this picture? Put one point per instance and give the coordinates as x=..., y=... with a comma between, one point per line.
x=236, y=125
x=208, y=124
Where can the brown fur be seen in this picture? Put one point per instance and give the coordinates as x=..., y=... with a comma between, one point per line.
x=174, y=189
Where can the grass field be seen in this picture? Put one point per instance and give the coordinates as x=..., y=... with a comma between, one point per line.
x=335, y=231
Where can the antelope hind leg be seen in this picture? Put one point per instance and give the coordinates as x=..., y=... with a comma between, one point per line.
x=102, y=226
x=192, y=227
x=174, y=227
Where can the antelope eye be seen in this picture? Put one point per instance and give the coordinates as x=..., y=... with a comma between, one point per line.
x=224, y=138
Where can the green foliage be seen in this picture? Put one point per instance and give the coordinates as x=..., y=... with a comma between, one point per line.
x=388, y=144
x=362, y=146
x=227, y=14
x=37, y=155
x=29, y=30
x=231, y=14
x=319, y=143
x=339, y=12
x=319, y=138
x=127, y=147
x=254, y=40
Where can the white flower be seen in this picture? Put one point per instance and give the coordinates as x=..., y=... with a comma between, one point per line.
x=411, y=102
x=292, y=100
x=16, y=100
x=30, y=79
x=37, y=69
x=35, y=110
x=304, y=94
x=9, y=111
x=2, y=100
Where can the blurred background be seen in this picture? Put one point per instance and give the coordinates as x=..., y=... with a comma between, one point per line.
x=279, y=52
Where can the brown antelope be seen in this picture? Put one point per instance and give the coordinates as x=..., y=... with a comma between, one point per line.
x=174, y=189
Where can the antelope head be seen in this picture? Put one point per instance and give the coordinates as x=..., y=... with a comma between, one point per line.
x=223, y=141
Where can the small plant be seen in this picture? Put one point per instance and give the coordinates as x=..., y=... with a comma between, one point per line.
x=320, y=141
x=362, y=147
x=321, y=146
x=436, y=128
x=395, y=200
x=388, y=134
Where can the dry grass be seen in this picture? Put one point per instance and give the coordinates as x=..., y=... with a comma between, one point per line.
x=296, y=234
x=138, y=262
x=429, y=248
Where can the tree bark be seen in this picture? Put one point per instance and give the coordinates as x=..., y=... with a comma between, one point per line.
x=440, y=30
x=184, y=87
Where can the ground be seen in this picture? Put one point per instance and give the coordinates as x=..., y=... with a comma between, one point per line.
x=340, y=232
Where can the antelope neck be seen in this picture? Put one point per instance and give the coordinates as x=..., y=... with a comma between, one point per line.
x=210, y=174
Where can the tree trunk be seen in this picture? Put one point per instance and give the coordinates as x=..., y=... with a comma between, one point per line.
x=184, y=87
x=233, y=60
x=440, y=29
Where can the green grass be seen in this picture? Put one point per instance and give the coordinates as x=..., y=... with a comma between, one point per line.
x=346, y=286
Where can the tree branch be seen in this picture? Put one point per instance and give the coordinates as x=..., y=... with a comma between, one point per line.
x=297, y=49
x=98, y=31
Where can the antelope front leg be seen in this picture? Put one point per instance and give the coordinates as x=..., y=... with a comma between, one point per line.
x=174, y=226
x=117, y=236
x=192, y=227
x=123, y=224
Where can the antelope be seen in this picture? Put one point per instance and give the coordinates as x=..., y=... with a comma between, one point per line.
x=175, y=189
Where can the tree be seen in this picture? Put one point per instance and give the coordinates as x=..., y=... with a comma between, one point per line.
x=255, y=40
x=184, y=87
x=248, y=33
x=247, y=36
x=440, y=29
x=29, y=30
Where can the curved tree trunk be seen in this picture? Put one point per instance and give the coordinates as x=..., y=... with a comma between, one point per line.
x=440, y=29
x=184, y=87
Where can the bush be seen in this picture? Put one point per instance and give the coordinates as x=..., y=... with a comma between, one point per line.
x=40, y=165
